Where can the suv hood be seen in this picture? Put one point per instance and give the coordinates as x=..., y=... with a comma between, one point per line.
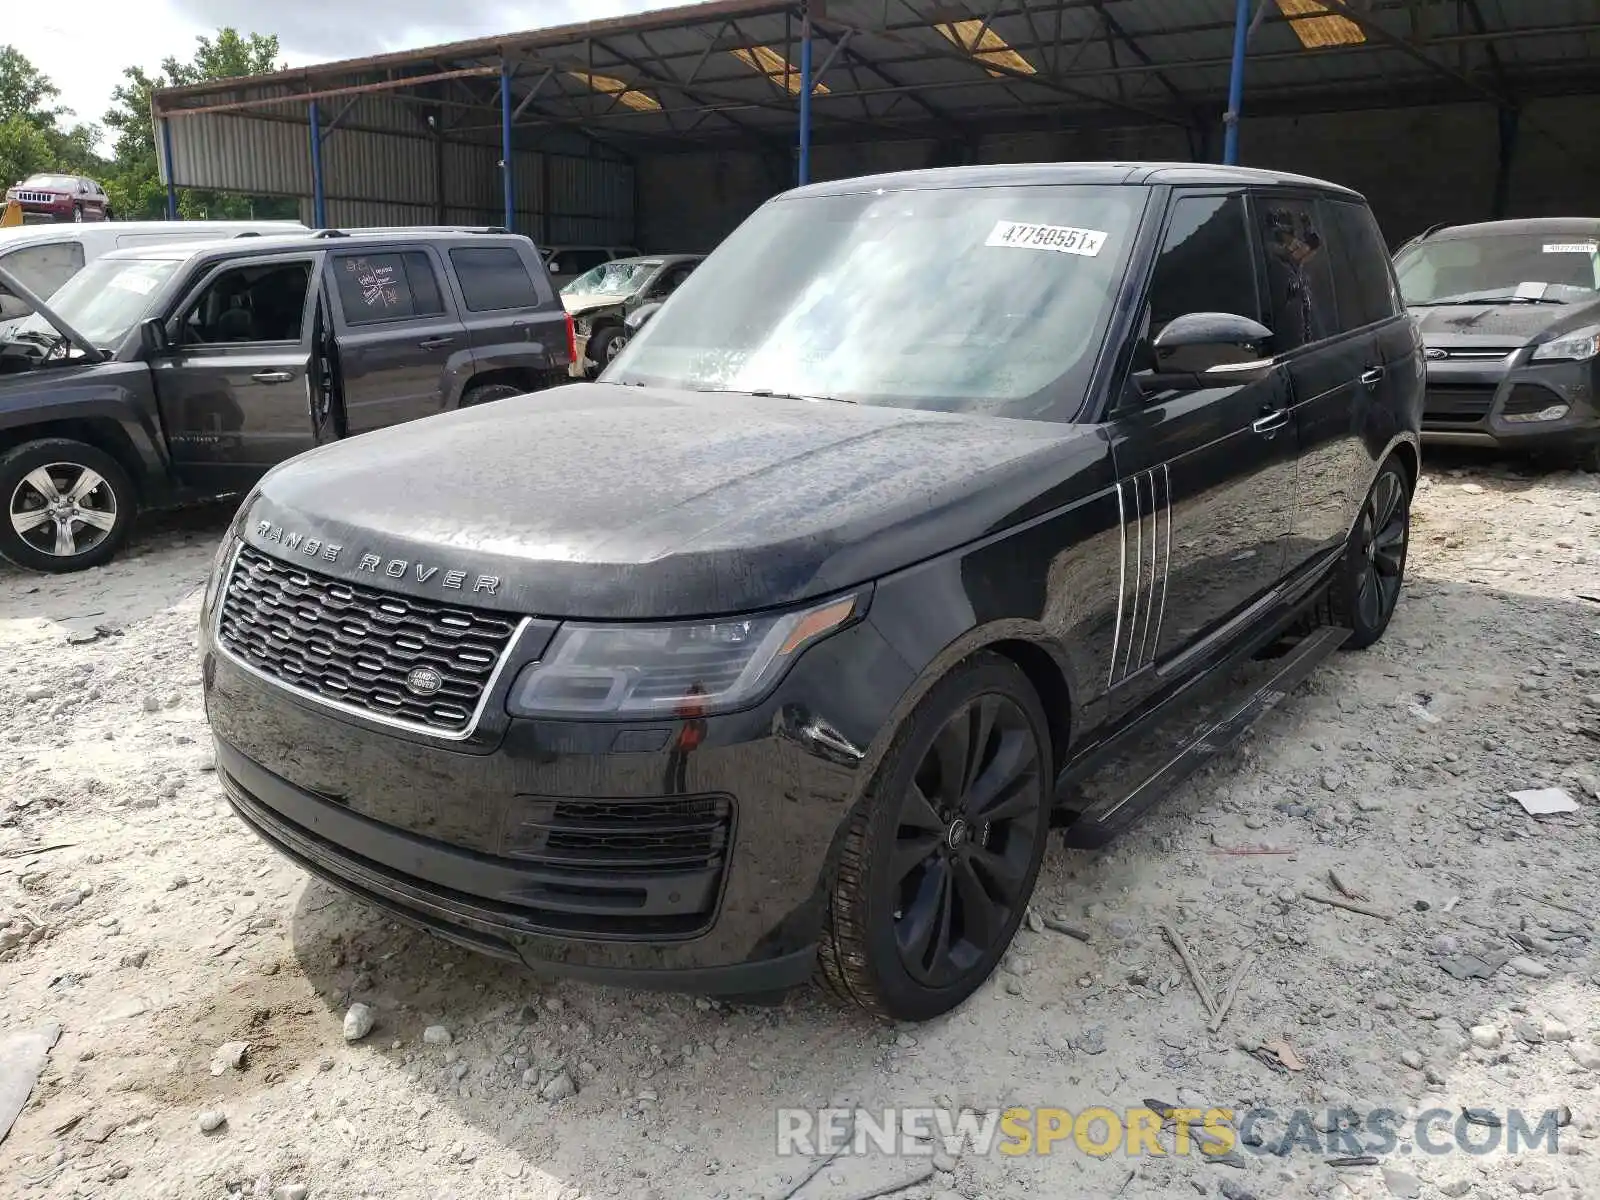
x=611, y=502
x=1511, y=326
x=578, y=306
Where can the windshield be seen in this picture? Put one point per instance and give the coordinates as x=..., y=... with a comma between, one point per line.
x=53, y=183
x=990, y=300
x=105, y=300
x=611, y=279
x=1504, y=267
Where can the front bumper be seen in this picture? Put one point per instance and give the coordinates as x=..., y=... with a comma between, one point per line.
x=1479, y=403
x=469, y=839
x=52, y=210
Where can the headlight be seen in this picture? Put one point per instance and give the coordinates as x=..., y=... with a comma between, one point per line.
x=679, y=670
x=1585, y=343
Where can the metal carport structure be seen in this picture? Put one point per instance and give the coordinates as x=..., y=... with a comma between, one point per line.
x=599, y=131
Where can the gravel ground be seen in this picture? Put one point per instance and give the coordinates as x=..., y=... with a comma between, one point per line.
x=140, y=916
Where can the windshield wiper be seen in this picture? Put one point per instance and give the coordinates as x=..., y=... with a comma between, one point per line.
x=1487, y=300
x=776, y=395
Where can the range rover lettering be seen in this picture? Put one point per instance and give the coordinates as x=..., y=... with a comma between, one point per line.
x=924, y=495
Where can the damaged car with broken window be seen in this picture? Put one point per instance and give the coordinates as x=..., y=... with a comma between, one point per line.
x=780, y=651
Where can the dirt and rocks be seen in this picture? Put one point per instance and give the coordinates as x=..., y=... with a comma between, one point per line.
x=228, y=1027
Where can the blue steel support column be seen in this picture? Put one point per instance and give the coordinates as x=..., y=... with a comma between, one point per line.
x=805, y=94
x=166, y=151
x=505, y=140
x=319, y=207
x=1241, y=34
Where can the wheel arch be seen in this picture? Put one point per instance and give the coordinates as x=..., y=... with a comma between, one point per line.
x=525, y=378
x=103, y=434
x=1025, y=644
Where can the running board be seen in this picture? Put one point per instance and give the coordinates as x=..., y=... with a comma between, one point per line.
x=1104, y=819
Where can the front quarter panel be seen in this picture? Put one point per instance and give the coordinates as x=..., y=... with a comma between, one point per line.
x=1051, y=577
x=120, y=393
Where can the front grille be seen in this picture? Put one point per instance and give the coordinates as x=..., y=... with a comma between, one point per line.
x=36, y=197
x=682, y=833
x=1459, y=405
x=355, y=646
x=1480, y=353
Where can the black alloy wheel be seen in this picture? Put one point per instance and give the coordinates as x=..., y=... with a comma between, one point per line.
x=1383, y=547
x=965, y=839
x=1366, y=586
x=939, y=862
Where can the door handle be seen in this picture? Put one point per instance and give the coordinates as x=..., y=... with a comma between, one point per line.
x=273, y=376
x=434, y=343
x=1372, y=377
x=1271, y=422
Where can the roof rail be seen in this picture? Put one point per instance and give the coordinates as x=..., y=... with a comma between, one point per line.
x=402, y=229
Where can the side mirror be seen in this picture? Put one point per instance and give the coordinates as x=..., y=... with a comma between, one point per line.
x=1214, y=349
x=153, y=337
x=635, y=320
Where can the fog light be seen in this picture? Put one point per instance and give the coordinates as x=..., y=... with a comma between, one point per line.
x=1553, y=412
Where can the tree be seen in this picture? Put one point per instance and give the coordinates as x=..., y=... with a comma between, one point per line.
x=135, y=186
x=33, y=136
x=25, y=91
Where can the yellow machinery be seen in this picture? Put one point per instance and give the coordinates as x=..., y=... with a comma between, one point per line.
x=12, y=216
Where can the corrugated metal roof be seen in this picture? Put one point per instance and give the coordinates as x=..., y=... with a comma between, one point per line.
x=888, y=72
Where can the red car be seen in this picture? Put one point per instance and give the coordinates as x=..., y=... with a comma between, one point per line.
x=61, y=198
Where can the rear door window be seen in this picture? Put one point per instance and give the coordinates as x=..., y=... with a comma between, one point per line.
x=386, y=287
x=1362, y=276
x=42, y=269
x=493, y=278
x=1299, y=274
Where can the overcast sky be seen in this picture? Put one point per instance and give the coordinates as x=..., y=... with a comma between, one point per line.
x=83, y=45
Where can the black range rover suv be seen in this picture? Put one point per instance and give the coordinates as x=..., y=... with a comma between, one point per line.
x=780, y=648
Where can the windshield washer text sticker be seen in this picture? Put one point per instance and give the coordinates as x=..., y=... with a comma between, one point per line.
x=1571, y=247
x=1063, y=239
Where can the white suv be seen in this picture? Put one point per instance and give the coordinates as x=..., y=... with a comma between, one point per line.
x=44, y=257
x=566, y=263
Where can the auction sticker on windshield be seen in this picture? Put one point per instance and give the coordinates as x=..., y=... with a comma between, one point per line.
x=1571, y=247
x=143, y=282
x=1063, y=239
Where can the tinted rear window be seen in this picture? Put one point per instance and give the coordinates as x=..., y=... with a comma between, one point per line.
x=1361, y=272
x=493, y=277
x=386, y=287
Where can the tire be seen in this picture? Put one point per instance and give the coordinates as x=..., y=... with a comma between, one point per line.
x=31, y=470
x=1374, y=561
x=605, y=346
x=485, y=393
x=977, y=876
x=77, y=214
